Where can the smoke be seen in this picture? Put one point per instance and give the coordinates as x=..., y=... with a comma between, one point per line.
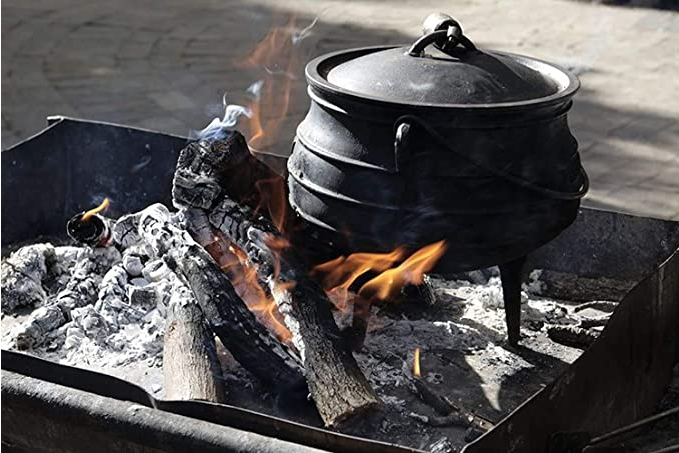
x=220, y=128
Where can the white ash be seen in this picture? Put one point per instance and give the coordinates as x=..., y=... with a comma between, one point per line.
x=80, y=290
x=103, y=310
x=22, y=276
x=479, y=329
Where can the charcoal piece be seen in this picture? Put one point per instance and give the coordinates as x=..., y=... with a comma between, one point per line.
x=191, y=369
x=336, y=383
x=112, y=301
x=600, y=305
x=90, y=322
x=133, y=264
x=578, y=288
x=81, y=290
x=207, y=169
x=249, y=342
x=125, y=231
x=572, y=336
x=41, y=323
x=94, y=232
x=22, y=277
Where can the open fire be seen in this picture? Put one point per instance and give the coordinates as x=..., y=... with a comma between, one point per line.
x=227, y=265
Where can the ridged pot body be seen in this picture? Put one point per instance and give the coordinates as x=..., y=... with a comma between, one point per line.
x=372, y=175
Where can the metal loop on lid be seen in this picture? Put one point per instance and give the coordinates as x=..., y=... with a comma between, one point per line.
x=444, y=32
x=444, y=40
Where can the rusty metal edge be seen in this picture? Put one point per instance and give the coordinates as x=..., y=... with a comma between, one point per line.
x=617, y=381
x=81, y=392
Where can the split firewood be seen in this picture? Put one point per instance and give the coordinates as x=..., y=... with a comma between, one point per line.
x=191, y=369
x=204, y=174
x=256, y=349
x=336, y=383
x=572, y=336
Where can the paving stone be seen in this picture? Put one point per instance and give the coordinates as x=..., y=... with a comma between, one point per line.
x=167, y=67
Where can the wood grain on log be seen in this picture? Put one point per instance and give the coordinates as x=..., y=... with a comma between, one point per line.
x=191, y=369
x=248, y=341
x=336, y=383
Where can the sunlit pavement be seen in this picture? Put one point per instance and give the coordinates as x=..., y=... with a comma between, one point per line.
x=165, y=66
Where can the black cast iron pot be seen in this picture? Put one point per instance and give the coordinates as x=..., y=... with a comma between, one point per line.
x=440, y=140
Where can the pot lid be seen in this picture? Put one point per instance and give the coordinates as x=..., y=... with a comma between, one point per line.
x=444, y=68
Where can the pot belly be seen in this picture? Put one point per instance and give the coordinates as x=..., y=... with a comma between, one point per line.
x=432, y=194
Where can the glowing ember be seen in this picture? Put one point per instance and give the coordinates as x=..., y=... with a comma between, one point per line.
x=102, y=207
x=337, y=276
x=416, y=363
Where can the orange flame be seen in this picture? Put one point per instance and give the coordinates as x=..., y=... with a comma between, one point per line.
x=273, y=197
x=102, y=207
x=279, y=59
x=234, y=262
x=337, y=276
x=411, y=272
x=416, y=363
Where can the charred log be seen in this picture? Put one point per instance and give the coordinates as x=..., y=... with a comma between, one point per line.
x=573, y=336
x=191, y=368
x=337, y=385
x=228, y=316
x=207, y=169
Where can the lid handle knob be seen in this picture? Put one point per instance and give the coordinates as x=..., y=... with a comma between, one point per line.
x=444, y=32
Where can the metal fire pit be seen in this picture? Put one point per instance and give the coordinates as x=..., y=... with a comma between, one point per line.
x=51, y=407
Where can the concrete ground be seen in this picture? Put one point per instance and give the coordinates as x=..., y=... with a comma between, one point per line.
x=165, y=65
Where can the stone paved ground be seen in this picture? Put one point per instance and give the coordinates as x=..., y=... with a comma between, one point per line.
x=165, y=65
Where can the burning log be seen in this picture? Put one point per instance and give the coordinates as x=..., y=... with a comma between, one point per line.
x=191, y=368
x=237, y=328
x=336, y=383
x=225, y=170
x=206, y=169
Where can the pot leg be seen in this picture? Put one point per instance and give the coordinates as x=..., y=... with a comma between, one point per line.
x=511, y=275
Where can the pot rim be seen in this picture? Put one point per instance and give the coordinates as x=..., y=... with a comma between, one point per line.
x=317, y=69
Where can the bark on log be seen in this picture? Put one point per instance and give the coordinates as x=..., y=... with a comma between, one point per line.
x=336, y=383
x=191, y=369
x=229, y=318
